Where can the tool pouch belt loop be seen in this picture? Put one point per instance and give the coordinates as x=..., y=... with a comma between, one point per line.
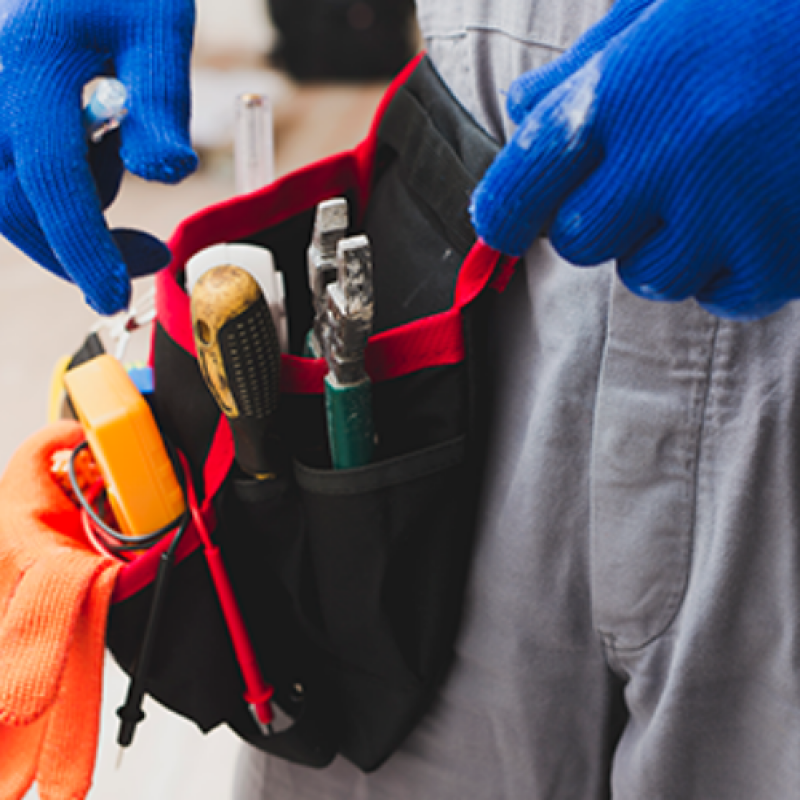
x=350, y=581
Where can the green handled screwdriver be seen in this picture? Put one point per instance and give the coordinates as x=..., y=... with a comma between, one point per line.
x=348, y=389
x=239, y=355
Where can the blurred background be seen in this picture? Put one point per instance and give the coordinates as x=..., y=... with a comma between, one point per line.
x=324, y=65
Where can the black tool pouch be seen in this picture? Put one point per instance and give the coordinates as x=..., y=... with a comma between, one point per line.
x=350, y=581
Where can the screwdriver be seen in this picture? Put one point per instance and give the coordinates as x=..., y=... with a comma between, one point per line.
x=348, y=324
x=330, y=226
x=239, y=355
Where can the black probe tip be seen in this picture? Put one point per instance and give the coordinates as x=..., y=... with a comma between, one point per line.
x=131, y=716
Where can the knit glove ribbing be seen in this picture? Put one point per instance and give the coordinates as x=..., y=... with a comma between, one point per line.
x=55, y=593
x=666, y=138
x=54, y=184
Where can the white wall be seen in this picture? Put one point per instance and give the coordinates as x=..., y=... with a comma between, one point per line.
x=231, y=29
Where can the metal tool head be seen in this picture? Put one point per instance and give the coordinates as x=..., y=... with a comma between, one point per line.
x=354, y=265
x=349, y=310
x=330, y=225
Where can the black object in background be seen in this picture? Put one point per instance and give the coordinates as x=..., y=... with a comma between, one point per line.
x=319, y=40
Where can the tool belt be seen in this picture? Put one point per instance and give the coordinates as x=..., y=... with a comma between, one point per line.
x=350, y=581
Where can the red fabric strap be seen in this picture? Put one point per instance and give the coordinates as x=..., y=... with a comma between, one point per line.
x=433, y=341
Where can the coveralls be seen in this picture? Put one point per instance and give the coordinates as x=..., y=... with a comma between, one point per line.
x=632, y=624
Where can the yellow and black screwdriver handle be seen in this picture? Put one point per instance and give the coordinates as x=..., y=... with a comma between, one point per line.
x=239, y=355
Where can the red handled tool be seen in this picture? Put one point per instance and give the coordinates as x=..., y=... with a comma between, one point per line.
x=258, y=692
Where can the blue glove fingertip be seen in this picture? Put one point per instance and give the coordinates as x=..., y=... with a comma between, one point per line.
x=109, y=294
x=551, y=152
x=108, y=291
x=170, y=166
x=530, y=89
x=489, y=218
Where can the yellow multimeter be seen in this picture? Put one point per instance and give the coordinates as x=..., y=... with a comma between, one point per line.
x=127, y=445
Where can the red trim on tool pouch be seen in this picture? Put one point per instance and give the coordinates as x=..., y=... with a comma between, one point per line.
x=433, y=341
x=430, y=342
x=244, y=215
x=238, y=218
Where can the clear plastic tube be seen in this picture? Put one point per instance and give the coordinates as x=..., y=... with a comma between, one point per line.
x=254, y=144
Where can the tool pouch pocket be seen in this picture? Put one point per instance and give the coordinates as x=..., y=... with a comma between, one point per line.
x=350, y=581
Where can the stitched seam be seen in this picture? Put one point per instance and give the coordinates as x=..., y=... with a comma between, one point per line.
x=484, y=28
x=605, y=637
x=386, y=474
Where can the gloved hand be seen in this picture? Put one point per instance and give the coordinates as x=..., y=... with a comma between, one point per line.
x=667, y=139
x=51, y=201
x=55, y=592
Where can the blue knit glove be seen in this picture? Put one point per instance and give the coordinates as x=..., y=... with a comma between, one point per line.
x=667, y=138
x=54, y=185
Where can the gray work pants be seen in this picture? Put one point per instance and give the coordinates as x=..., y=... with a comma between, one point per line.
x=632, y=622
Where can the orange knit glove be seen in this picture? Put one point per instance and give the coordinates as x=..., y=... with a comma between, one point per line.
x=55, y=591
